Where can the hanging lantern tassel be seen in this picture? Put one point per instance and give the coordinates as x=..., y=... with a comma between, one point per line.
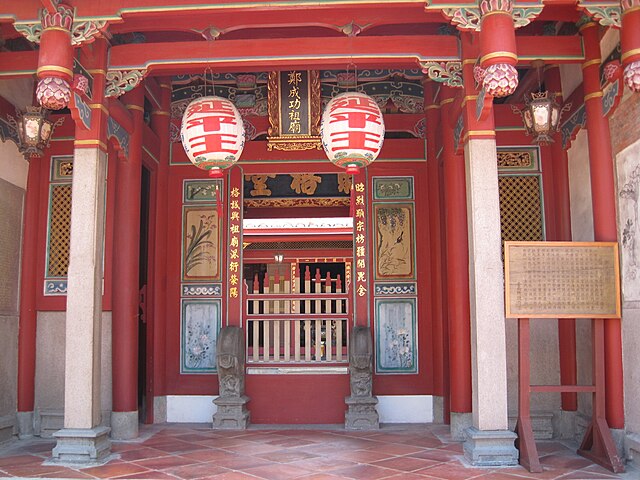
x=352, y=199
x=218, y=202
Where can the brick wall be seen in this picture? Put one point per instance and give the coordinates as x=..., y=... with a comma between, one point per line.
x=625, y=122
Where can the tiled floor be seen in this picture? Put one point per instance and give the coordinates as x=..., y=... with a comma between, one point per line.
x=196, y=451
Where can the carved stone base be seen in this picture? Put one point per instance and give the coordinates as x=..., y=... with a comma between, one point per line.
x=232, y=413
x=490, y=448
x=85, y=446
x=362, y=413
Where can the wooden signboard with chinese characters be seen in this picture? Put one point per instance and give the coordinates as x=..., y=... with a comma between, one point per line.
x=294, y=110
x=562, y=280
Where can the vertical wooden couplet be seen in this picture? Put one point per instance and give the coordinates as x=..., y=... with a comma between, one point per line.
x=234, y=248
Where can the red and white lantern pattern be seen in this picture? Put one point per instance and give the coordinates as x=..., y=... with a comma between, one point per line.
x=352, y=130
x=212, y=134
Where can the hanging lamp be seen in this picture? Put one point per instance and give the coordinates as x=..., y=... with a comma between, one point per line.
x=352, y=130
x=212, y=133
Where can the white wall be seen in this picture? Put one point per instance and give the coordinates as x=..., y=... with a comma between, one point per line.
x=13, y=171
x=582, y=231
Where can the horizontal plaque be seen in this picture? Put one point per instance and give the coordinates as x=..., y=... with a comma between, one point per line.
x=562, y=280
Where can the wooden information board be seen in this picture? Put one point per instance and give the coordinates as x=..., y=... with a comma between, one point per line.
x=562, y=280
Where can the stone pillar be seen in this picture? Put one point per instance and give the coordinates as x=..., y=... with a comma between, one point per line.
x=232, y=413
x=457, y=249
x=361, y=413
x=489, y=442
x=126, y=262
x=83, y=440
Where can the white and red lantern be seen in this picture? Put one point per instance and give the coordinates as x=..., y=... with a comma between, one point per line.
x=352, y=131
x=212, y=134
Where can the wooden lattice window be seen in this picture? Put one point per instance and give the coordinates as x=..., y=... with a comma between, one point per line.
x=59, y=230
x=521, y=217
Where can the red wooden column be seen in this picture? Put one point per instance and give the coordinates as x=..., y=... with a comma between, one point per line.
x=55, y=57
x=562, y=211
x=457, y=249
x=160, y=123
x=604, y=209
x=28, y=313
x=435, y=241
x=126, y=266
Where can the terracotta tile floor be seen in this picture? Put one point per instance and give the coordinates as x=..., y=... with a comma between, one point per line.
x=197, y=452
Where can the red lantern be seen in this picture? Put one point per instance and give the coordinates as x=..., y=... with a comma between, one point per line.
x=352, y=131
x=212, y=134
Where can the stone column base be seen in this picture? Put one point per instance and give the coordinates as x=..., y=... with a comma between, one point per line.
x=124, y=425
x=232, y=413
x=438, y=409
x=632, y=449
x=460, y=422
x=362, y=413
x=84, y=446
x=25, y=425
x=490, y=448
x=160, y=409
x=7, y=427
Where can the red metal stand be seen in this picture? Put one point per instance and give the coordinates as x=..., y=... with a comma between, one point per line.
x=597, y=444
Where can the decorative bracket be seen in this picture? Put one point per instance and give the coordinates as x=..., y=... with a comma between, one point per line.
x=607, y=13
x=468, y=18
x=448, y=73
x=80, y=111
x=122, y=81
x=82, y=31
x=483, y=105
x=119, y=135
x=9, y=131
x=573, y=124
x=465, y=18
x=210, y=33
x=353, y=29
x=523, y=16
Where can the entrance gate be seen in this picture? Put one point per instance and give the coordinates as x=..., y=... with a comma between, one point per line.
x=297, y=329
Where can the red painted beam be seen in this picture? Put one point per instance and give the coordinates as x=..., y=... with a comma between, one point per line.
x=315, y=17
x=567, y=49
x=279, y=53
x=18, y=64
